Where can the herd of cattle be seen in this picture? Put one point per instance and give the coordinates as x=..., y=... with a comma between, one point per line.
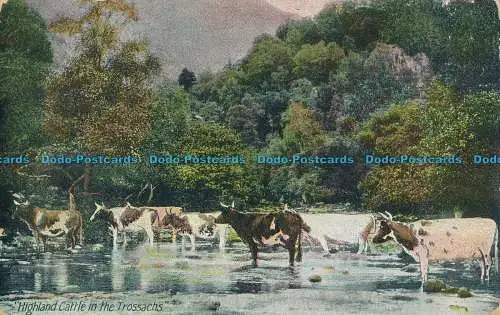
x=425, y=240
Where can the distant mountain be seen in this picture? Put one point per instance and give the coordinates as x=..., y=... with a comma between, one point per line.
x=303, y=8
x=197, y=34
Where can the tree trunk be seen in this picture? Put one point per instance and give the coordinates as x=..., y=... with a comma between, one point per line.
x=88, y=176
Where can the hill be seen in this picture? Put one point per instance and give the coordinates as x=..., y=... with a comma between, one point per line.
x=197, y=34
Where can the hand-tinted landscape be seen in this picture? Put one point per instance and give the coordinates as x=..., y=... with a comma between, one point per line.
x=317, y=82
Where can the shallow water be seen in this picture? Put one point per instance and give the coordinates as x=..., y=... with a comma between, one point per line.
x=188, y=282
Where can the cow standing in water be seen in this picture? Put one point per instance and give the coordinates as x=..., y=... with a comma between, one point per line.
x=49, y=223
x=161, y=213
x=341, y=228
x=195, y=224
x=126, y=219
x=257, y=229
x=443, y=240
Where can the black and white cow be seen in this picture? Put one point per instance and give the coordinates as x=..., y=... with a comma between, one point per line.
x=126, y=219
x=282, y=228
x=443, y=240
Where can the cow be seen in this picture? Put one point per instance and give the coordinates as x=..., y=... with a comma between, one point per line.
x=45, y=223
x=161, y=212
x=2, y=232
x=195, y=224
x=443, y=240
x=341, y=228
x=282, y=228
x=126, y=219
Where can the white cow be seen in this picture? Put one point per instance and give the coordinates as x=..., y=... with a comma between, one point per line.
x=443, y=240
x=340, y=228
x=126, y=219
x=196, y=224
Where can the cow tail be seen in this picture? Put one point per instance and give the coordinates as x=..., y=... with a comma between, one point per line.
x=496, y=249
x=306, y=227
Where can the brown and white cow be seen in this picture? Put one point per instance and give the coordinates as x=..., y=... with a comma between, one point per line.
x=126, y=219
x=161, y=212
x=196, y=225
x=340, y=228
x=443, y=240
x=45, y=223
x=282, y=228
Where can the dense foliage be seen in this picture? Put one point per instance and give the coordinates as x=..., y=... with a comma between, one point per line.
x=389, y=78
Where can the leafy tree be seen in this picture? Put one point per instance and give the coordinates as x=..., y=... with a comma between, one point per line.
x=187, y=79
x=395, y=132
x=462, y=126
x=269, y=64
x=471, y=44
x=315, y=62
x=354, y=27
x=103, y=98
x=210, y=181
x=25, y=55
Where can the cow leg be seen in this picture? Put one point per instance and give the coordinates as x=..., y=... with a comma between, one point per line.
x=324, y=245
x=481, y=265
x=488, y=262
x=291, y=254
x=115, y=237
x=299, y=249
x=362, y=245
x=424, y=268
x=222, y=238
x=150, y=236
x=254, y=251
x=183, y=242
x=68, y=241
x=44, y=242
x=192, y=238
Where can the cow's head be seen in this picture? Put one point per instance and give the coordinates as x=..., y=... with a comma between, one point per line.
x=384, y=232
x=99, y=211
x=225, y=216
x=22, y=205
x=2, y=232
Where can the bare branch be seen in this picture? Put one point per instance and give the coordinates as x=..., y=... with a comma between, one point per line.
x=151, y=189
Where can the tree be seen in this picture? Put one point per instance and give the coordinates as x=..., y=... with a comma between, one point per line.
x=269, y=64
x=187, y=79
x=209, y=181
x=395, y=132
x=25, y=56
x=462, y=126
x=315, y=62
x=103, y=98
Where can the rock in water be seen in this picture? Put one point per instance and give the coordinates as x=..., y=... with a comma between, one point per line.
x=214, y=306
x=464, y=293
x=434, y=286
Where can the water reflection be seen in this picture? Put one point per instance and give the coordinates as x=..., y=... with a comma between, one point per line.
x=168, y=269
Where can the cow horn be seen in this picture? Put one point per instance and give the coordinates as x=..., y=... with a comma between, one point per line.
x=383, y=216
x=16, y=203
x=232, y=204
x=389, y=215
x=223, y=205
